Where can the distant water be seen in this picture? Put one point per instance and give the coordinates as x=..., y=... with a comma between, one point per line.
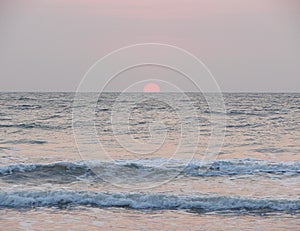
x=252, y=185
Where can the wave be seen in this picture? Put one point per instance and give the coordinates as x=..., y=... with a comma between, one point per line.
x=65, y=199
x=25, y=107
x=34, y=126
x=24, y=141
x=149, y=167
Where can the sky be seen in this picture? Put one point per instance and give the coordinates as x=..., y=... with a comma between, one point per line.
x=248, y=45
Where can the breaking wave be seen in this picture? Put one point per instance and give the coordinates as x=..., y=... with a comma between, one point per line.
x=65, y=199
x=193, y=169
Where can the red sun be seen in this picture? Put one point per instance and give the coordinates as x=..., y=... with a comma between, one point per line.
x=151, y=87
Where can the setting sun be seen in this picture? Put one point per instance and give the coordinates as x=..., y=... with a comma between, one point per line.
x=151, y=87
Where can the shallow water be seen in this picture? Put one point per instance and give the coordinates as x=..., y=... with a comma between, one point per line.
x=252, y=184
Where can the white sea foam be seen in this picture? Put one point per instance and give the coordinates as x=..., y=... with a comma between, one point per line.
x=194, y=168
x=25, y=199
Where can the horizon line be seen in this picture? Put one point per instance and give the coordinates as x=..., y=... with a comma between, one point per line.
x=270, y=92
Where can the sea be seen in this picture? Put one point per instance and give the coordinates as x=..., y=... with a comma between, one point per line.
x=142, y=163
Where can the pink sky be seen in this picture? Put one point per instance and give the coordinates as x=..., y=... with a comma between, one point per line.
x=248, y=44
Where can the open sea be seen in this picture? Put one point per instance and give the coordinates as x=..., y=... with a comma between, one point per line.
x=113, y=182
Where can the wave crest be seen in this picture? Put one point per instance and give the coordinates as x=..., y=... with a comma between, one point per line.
x=62, y=199
x=194, y=168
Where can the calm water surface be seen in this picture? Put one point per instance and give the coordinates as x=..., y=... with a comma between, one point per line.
x=252, y=185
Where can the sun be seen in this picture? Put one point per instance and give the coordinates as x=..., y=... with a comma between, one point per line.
x=151, y=87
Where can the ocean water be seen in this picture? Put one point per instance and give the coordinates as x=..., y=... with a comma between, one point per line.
x=131, y=176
